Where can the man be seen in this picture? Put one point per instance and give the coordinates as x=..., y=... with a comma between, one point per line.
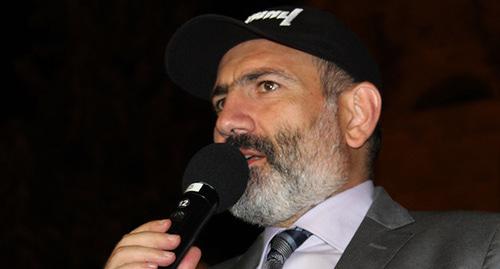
x=299, y=95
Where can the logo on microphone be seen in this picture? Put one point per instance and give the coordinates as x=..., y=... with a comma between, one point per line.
x=184, y=203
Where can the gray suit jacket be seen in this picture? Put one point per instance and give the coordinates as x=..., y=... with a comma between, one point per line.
x=390, y=237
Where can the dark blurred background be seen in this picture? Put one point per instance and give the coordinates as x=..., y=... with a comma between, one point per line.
x=94, y=137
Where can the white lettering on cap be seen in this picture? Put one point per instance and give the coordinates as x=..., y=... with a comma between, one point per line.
x=286, y=16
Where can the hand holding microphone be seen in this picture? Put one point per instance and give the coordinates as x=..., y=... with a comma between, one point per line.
x=214, y=180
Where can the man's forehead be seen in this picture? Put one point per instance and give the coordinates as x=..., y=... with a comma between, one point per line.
x=260, y=46
x=261, y=54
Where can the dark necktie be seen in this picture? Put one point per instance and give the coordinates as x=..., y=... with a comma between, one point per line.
x=282, y=246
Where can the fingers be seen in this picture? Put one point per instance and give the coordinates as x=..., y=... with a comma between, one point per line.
x=191, y=259
x=139, y=265
x=144, y=256
x=151, y=239
x=160, y=226
x=144, y=247
x=149, y=246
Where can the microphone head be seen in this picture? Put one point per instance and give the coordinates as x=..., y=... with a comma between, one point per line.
x=224, y=168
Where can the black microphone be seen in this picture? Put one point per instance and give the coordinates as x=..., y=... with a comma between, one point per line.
x=214, y=180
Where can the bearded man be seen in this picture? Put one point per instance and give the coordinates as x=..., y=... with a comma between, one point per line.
x=299, y=95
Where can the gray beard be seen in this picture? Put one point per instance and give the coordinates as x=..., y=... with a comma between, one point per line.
x=304, y=169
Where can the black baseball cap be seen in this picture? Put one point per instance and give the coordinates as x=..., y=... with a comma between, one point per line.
x=194, y=51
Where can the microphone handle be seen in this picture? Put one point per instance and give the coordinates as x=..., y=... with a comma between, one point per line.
x=189, y=218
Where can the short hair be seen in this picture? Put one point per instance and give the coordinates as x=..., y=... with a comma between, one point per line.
x=334, y=80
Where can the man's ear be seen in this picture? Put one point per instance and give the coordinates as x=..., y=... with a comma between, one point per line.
x=364, y=105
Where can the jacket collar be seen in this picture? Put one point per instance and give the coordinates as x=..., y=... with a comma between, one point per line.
x=379, y=236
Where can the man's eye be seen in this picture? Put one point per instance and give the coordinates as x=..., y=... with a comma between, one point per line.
x=268, y=86
x=219, y=104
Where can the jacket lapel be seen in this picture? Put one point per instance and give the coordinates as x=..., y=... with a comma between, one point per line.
x=378, y=238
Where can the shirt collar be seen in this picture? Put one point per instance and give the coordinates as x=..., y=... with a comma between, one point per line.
x=336, y=219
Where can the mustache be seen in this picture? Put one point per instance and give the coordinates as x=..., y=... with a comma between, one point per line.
x=279, y=155
x=261, y=144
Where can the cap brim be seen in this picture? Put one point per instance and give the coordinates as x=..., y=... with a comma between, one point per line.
x=193, y=53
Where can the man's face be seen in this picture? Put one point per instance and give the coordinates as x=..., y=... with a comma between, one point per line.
x=270, y=104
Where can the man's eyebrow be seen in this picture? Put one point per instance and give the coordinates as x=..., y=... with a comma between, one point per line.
x=219, y=90
x=250, y=77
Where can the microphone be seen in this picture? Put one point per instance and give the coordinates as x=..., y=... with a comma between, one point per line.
x=214, y=180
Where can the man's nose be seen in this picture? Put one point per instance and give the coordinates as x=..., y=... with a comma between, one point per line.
x=235, y=118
